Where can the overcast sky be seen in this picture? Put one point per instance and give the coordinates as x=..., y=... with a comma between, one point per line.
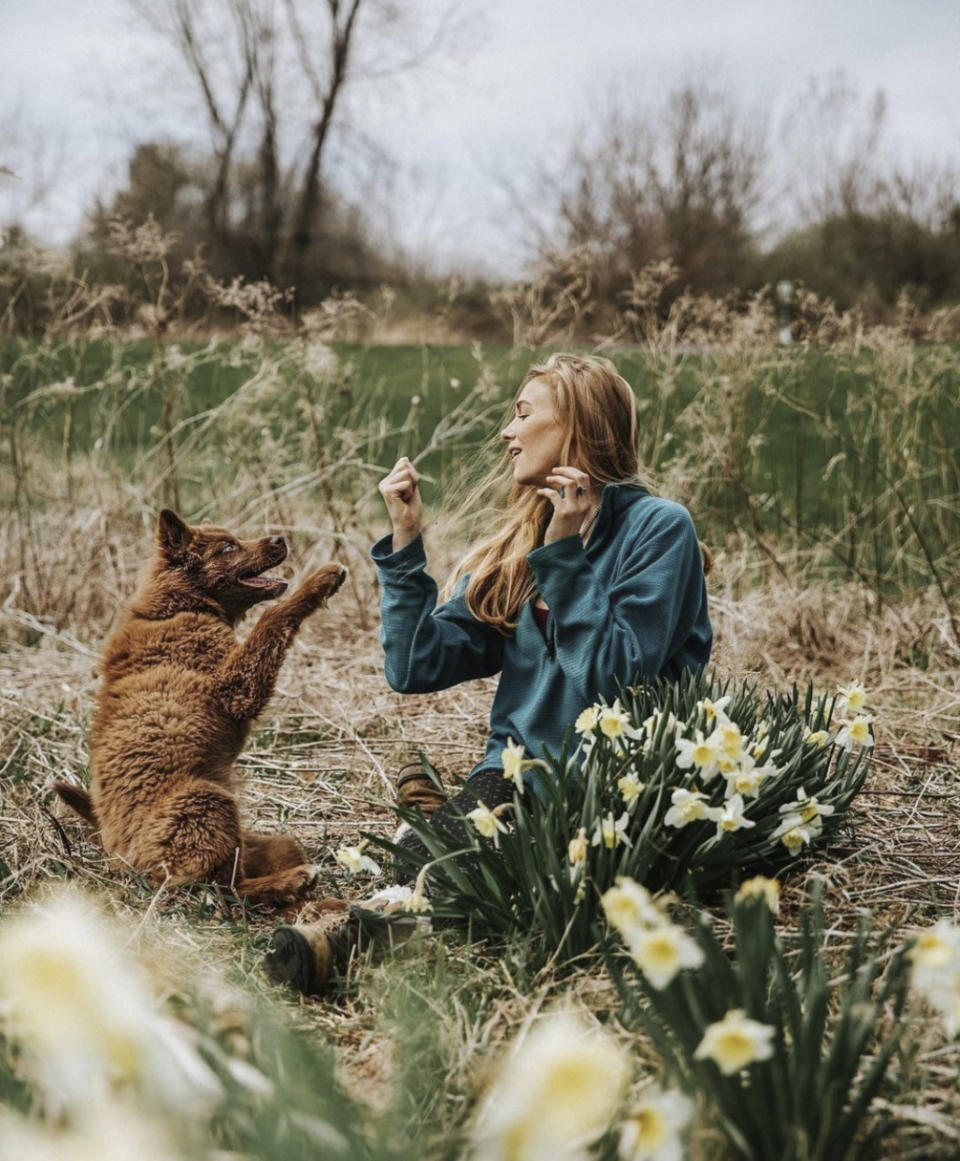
x=77, y=76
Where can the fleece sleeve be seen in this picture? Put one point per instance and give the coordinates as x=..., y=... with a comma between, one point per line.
x=427, y=647
x=611, y=634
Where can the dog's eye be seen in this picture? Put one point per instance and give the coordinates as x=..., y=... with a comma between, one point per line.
x=228, y=548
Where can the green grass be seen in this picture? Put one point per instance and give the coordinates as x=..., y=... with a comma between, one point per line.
x=840, y=454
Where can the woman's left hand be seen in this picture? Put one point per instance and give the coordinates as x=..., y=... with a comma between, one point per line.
x=572, y=499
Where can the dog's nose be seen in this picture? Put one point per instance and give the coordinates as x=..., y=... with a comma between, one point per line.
x=278, y=542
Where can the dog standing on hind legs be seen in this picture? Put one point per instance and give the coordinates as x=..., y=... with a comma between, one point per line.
x=179, y=693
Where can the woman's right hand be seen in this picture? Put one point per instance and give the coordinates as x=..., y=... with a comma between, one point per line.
x=401, y=494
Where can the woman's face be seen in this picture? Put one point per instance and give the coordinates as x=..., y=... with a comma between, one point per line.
x=534, y=437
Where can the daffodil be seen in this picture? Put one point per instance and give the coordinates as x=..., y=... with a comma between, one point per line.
x=936, y=948
x=794, y=834
x=809, y=810
x=561, y=1085
x=630, y=788
x=614, y=722
x=653, y=1126
x=851, y=699
x=486, y=823
x=629, y=906
x=611, y=832
x=577, y=848
x=818, y=738
x=652, y=724
x=81, y=1012
x=735, y=1041
x=116, y=1133
x=687, y=806
x=728, y=739
x=514, y=760
x=703, y=753
x=730, y=816
x=418, y=903
x=855, y=734
x=355, y=861
x=587, y=719
x=713, y=711
x=660, y=952
x=747, y=777
x=760, y=887
x=757, y=749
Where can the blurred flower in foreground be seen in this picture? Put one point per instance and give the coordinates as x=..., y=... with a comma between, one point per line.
x=735, y=1041
x=554, y=1094
x=652, y=1129
x=760, y=887
x=936, y=970
x=113, y=1135
x=81, y=1011
x=661, y=952
x=629, y=905
x=658, y=947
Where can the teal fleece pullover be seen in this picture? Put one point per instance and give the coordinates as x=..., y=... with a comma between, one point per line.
x=631, y=603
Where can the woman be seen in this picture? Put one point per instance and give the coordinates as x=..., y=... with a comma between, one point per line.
x=590, y=583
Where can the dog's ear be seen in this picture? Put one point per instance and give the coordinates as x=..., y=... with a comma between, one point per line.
x=173, y=535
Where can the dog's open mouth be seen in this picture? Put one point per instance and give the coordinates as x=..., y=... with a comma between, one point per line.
x=271, y=586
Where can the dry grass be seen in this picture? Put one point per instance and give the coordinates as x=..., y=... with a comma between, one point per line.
x=322, y=758
x=321, y=761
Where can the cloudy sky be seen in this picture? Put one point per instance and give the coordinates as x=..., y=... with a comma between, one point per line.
x=80, y=84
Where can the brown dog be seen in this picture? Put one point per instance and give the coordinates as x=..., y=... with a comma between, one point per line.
x=178, y=696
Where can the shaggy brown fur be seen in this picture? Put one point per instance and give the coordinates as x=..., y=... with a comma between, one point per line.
x=178, y=696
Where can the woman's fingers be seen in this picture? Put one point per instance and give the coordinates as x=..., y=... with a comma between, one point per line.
x=571, y=486
x=401, y=483
x=572, y=478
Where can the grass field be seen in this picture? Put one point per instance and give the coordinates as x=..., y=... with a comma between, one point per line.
x=825, y=480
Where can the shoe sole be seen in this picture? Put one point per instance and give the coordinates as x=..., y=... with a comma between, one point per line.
x=291, y=960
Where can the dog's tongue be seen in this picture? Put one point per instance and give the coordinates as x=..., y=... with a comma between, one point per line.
x=276, y=583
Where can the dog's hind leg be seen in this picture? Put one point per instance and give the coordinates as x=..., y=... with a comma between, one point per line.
x=196, y=837
x=193, y=837
x=265, y=853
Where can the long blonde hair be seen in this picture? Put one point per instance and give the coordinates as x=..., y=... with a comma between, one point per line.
x=598, y=411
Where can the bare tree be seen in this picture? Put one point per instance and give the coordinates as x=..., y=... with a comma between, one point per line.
x=272, y=80
x=680, y=182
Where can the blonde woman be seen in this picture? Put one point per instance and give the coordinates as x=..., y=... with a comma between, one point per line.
x=590, y=582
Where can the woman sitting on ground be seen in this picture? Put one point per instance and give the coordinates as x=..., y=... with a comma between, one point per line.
x=591, y=583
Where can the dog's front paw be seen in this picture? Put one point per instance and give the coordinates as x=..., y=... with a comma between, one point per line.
x=321, y=585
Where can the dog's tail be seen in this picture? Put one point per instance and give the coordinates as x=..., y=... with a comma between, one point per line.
x=77, y=799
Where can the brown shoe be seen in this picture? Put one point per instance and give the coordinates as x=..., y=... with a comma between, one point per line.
x=306, y=956
x=419, y=788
